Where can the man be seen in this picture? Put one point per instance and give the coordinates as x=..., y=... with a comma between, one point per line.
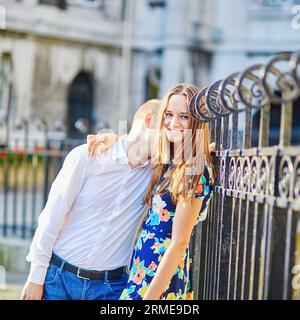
x=87, y=229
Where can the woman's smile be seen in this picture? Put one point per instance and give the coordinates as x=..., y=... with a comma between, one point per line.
x=176, y=118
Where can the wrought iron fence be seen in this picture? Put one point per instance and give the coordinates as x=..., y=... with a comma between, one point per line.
x=28, y=166
x=249, y=245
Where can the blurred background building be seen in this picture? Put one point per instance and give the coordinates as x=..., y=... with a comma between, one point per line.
x=83, y=65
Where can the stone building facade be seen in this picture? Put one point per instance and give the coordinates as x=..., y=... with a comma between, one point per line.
x=86, y=64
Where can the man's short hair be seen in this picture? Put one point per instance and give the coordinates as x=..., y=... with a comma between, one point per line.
x=151, y=106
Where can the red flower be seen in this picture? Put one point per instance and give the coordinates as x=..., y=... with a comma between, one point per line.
x=164, y=215
x=137, y=262
x=189, y=296
x=139, y=276
x=153, y=265
x=199, y=188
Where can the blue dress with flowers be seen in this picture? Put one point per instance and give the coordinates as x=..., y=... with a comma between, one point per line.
x=154, y=239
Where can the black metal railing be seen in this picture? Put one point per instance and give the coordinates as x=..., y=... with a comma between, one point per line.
x=28, y=167
x=249, y=245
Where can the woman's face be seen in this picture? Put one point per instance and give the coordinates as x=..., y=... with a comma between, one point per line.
x=176, y=118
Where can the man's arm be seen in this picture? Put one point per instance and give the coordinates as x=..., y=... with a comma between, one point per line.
x=64, y=191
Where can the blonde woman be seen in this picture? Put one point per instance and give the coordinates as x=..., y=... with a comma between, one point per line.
x=177, y=193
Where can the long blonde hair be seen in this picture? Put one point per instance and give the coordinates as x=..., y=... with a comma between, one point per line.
x=178, y=182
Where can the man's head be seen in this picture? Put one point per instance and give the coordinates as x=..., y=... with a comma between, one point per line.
x=145, y=115
x=141, y=131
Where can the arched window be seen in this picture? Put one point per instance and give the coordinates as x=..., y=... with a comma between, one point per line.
x=58, y=3
x=80, y=106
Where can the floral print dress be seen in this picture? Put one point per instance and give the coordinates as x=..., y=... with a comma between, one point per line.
x=153, y=241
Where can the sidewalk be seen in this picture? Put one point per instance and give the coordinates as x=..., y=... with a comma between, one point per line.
x=14, y=286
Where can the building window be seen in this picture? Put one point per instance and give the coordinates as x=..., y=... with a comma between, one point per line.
x=57, y=3
x=273, y=3
x=270, y=10
x=152, y=83
x=5, y=83
x=157, y=3
x=87, y=3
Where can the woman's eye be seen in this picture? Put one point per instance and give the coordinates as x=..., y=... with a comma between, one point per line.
x=167, y=114
x=184, y=117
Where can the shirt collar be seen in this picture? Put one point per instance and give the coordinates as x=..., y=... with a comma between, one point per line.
x=118, y=151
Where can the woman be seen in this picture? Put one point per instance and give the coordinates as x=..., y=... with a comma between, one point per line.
x=178, y=192
x=161, y=260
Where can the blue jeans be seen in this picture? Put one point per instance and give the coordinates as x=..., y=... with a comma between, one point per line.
x=64, y=285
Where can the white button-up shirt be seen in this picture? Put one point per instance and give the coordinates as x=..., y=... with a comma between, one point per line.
x=93, y=213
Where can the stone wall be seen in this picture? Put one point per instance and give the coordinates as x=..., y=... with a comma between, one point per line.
x=13, y=253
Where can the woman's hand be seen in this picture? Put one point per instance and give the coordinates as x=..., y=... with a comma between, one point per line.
x=212, y=147
x=100, y=142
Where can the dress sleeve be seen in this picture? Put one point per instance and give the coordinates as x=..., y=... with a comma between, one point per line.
x=204, y=188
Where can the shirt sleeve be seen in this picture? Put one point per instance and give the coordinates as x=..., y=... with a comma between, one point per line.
x=62, y=195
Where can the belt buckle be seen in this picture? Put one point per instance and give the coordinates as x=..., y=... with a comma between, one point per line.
x=81, y=277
